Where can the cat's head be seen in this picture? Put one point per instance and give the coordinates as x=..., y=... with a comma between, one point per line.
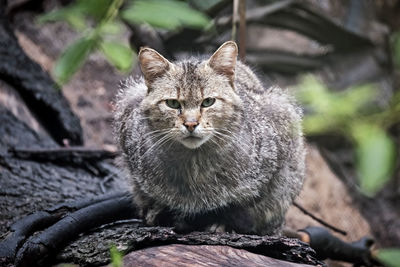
x=192, y=101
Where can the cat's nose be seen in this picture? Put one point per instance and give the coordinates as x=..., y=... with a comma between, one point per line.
x=191, y=125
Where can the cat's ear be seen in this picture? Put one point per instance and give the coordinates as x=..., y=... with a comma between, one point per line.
x=223, y=61
x=152, y=64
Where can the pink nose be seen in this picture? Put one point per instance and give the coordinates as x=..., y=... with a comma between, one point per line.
x=191, y=125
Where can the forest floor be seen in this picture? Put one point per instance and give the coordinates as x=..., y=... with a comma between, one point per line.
x=91, y=93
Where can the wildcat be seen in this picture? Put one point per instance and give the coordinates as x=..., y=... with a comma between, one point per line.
x=206, y=147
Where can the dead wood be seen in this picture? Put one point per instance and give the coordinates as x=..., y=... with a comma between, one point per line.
x=38, y=221
x=328, y=246
x=36, y=87
x=37, y=249
x=82, y=157
x=27, y=185
x=285, y=62
x=306, y=212
x=201, y=255
x=382, y=210
x=87, y=250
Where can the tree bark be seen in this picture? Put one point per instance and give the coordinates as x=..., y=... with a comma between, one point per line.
x=40, y=93
x=87, y=250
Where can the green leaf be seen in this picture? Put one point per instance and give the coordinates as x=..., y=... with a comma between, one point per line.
x=119, y=55
x=167, y=14
x=116, y=257
x=112, y=27
x=376, y=154
x=72, y=58
x=389, y=257
x=332, y=111
x=95, y=8
x=396, y=49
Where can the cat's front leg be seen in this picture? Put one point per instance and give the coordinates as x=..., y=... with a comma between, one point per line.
x=216, y=228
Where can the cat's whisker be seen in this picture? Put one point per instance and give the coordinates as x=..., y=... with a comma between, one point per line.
x=217, y=144
x=159, y=142
x=233, y=140
x=233, y=136
x=156, y=131
x=151, y=137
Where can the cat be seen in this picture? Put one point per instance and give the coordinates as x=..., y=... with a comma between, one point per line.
x=206, y=147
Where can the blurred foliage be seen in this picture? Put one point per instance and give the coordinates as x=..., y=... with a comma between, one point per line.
x=165, y=14
x=353, y=114
x=390, y=257
x=204, y=5
x=101, y=23
x=116, y=257
x=396, y=49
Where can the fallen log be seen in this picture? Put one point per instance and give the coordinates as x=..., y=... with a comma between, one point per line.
x=29, y=186
x=87, y=250
x=64, y=154
x=37, y=250
x=36, y=87
x=202, y=255
x=21, y=230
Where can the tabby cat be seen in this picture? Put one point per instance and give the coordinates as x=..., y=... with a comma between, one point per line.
x=206, y=147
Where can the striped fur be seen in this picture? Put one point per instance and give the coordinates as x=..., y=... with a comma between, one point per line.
x=246, y=169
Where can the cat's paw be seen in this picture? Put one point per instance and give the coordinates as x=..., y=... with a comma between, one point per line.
x=159, y=216
x=216, y=228
x=182, y=227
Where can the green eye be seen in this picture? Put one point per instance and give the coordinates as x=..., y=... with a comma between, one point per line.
x=208, y=102
x=173, y=103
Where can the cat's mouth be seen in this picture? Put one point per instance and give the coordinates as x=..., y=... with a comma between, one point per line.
x=192, y=138
x=193, y=141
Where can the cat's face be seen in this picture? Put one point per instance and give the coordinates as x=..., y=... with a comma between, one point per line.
x=191, y=102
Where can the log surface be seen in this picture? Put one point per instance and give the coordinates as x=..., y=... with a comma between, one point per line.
x=94, y=248
x=28, y=185
x=203, y=255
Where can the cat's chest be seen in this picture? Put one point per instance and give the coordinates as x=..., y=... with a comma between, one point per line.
x=196, y=169
x=208, y=172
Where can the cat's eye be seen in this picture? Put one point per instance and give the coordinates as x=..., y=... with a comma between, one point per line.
x=208, y=102
x=173, y=103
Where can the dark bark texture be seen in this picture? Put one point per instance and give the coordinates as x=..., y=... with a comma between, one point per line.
x=36, y=173
x=28, y=185
x=201, y=255
x=36, y=87
x=87, y=250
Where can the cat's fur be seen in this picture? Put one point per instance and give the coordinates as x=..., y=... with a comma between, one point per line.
x=248, y=164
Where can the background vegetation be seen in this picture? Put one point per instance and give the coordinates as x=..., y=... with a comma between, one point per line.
x=352, y=114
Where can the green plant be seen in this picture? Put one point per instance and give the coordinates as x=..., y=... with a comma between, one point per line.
x=395, y=38
x=116, y=257
x=101, y=22
x=389, y=257
x=353, y=115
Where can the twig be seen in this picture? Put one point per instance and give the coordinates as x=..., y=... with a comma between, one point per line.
x=38, y=248
x=258, y=12
x=25, y=227
x=319, y=220
x=235, y=19
x=329, y=246
x=73, y=154
x=242, y=30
